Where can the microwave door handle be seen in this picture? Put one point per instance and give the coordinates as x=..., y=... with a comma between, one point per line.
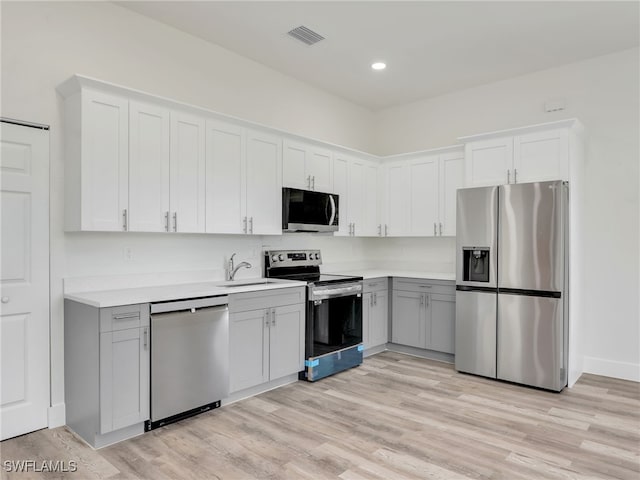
x=333, y=209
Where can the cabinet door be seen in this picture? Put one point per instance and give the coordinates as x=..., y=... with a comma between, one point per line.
x=187, y=197
x=368, y=225
x=320, y=167
x=356, y=195
x=264, y=183
x=225, y=174
x=423, y=215
x=104, y=171
x=379, y=319
x=340, y=187
x=443, y=323
x=397, y=200
x=248, y=349
x=294, y=172
x=367, y=307
x=408, y=319
x=451, y=178
x=286, y=345
x=489, y=162
x=541, y=156
x=124, y=378
x=149, y=156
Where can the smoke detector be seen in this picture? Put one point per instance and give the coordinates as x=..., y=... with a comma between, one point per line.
x=305, y=35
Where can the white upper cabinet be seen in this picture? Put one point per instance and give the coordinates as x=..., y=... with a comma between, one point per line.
x=541, y=156
x=341, y=188
x=424, y=196
x=451, y=172
x=244, y=186
x=307, y=167
x=528, y=154
x=397, y=181
x=187, y=194
x=148, y=168
x=264, y=183
x=488, y=162
x=369, y=223
x=226, y=185
x=97, y=161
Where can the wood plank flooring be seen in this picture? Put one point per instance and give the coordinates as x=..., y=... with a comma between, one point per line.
x=394, y=417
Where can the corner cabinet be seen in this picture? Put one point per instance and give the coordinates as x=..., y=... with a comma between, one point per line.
x=266, y=336
x=106, y=371
x=529, y=154
x=423, y=314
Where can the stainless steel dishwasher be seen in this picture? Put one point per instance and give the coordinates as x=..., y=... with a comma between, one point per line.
x=189, y=358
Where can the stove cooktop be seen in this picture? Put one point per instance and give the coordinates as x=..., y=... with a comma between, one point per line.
x=320, y=278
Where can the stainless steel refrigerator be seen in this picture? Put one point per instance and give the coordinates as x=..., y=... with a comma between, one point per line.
x=512, y=283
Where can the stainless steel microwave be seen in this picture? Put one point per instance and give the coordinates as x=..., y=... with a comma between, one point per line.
x=308, y=211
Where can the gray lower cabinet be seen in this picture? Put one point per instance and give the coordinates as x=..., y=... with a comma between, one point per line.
x=423, y=314
x=106, y=371
x=266, y=336
x=375, y=312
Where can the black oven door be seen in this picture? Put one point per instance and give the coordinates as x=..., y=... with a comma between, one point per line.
x=334, y=318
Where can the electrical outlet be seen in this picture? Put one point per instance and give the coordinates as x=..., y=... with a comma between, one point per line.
x=128, y=254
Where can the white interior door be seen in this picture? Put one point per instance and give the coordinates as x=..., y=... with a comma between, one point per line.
x=24, y=267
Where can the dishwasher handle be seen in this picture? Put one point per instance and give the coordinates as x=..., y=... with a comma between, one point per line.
x=189, y=304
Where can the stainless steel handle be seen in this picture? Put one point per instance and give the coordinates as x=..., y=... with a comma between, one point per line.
x=354, y=229
x=125, y=220
x=426, y=297
x=175, y=221
x=425, y=286
x=273, y=317
x=325, y=293
x=371, y=285
x=244, y=225
x=386, y=230
x=250, y=224
x=313, y=182
x=379, y=229
x=124, y=316
x=333, y=209
x=508, y=176
x=515, y=175
x=375, y=298
x=441, y=229
x=267, y=323
x=144, y=334
x=166, y=221
x=309, y=182
x=371, y=301
x=435, y=229
x=421, y=299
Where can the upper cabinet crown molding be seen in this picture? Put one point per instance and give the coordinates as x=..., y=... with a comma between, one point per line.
x=570, y=123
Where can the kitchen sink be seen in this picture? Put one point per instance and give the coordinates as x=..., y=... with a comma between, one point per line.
x=246, y=283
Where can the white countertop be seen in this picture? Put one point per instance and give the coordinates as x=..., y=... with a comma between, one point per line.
x=131, y=296
x=377, y=273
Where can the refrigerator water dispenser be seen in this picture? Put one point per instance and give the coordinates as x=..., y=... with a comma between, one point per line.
x=476, y=264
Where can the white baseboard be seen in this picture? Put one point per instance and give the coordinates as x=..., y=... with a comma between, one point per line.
x=611, y=368
x=57, y=415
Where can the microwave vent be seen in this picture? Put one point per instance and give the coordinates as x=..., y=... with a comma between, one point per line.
x=305, y=35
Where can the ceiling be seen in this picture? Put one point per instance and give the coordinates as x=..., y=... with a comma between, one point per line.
x=431, y=48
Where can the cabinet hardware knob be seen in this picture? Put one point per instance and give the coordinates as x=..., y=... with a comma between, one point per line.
x=6, y=299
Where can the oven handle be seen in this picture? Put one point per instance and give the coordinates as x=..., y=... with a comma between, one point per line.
x=326, y=293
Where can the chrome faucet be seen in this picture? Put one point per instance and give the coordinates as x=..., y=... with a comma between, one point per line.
x=231, y=270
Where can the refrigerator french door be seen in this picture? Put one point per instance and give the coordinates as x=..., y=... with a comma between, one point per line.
x=527, y=227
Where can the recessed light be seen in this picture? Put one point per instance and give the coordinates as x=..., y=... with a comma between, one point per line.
x=379, y=65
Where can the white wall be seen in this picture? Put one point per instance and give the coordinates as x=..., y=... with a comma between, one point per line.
x=43, y=44
x=603, y=93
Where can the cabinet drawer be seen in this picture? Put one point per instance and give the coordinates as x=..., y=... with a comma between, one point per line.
x=443, y=287
x=126, y=316
x=246, y=301
x=375, y=284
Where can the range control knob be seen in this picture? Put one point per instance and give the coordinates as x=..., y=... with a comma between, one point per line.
x=281, y=257
x=274, y=258
x=317, y=256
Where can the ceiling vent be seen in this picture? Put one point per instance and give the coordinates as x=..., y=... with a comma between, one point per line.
x=305, y=35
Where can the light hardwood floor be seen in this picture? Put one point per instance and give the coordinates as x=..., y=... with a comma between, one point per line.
x=394, y=417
